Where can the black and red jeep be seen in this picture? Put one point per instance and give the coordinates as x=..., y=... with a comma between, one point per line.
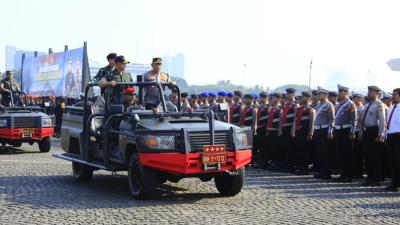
x=19, y=123
x=153, y=147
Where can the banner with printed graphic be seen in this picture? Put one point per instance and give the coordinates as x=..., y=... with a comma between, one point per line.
x=56, y=74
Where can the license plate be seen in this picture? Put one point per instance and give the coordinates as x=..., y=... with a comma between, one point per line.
x=214, y=154
x=26, y=133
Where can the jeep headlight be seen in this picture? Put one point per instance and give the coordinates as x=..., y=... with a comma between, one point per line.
x=3, y=122
x=243, y=139
x=156, y=142
x=47, y=122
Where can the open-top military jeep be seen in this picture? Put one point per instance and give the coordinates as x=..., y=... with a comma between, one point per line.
x=19, y=124
x=153, y=147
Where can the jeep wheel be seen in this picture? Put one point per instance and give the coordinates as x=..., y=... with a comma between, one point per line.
x=45, y=144
x=17, y=144
x=142, y=180
x=230, y=184
x=82, y=172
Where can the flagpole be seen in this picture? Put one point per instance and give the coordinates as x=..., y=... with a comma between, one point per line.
x=309, y=77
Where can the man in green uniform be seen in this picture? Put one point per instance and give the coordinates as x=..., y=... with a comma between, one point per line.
x=107, y=70
x=118, y=75
x=7, y=86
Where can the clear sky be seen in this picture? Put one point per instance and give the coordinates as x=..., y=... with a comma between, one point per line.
x=275, y=39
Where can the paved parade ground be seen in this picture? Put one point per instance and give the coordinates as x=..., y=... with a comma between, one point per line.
x=36, y=188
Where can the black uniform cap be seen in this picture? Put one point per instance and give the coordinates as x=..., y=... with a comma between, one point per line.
x=157, y=60
x=184, y=94
x=374, y=88
x=263, y=94
x=290, y=90
x=306, y=94
x=121, y=59
x=194, y=96
x=333, y=94
x=248, y=96
x=238, y=93
x=314, y=92
x=112, y=56
x=275, y=95
x=9, y=72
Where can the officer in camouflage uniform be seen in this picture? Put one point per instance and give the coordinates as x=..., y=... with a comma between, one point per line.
x=372, y=135
x=7, y=86
x=106, y=71
x=345, y=128
x=323, y=132
x=118, y=75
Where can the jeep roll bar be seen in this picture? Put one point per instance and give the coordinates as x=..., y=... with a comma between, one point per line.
x=11, y=94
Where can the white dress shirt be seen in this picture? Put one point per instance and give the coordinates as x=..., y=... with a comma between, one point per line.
x=394, y=126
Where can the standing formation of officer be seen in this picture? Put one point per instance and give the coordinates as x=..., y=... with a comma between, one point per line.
x=324, y=132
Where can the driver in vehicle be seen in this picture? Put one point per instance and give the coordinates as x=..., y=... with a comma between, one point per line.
x=7, y=86
x=130, y=100
x=152, y=94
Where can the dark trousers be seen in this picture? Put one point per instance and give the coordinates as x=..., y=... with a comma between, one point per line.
x=273, y=145
x=358, y=157
x=344, y=148
x=288, y=148
x=322, y=150
x=260, y=147
x=393, y=145
x=373, y=153
x=302, y=149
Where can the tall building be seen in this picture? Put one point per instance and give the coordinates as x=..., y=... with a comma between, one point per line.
x=14, y=57
x=174, y=65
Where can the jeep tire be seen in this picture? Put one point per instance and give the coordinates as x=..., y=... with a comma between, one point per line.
x=142, y=180
x=230, y=184
x=82, y=172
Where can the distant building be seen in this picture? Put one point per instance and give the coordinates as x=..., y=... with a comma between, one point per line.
x=14, y=57
x=175, y=65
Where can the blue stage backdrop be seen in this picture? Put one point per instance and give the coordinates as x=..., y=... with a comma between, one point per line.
x=57, y=74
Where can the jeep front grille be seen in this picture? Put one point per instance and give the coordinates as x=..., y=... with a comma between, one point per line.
x=26, y=122
x=197, y=139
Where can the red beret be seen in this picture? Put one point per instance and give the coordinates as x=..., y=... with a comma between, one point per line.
x=130, y=90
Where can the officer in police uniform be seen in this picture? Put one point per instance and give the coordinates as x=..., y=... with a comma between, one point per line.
x=204, y=101
x=345, y=124
x=273, y=134
x=7, y=86
x=236, y=108
x=333, y=97
x=262, y=120
x=213, y=105
x=248, y=118
x=152, y=96
x=185, y=106
x=372, y=135
x=287, y=118
x=323, y=131
x=106, y=71
x=229, y=98
x=302, y=131
x=358, y=165
x=193, y=101
x=314, y=99
x=118, y=75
